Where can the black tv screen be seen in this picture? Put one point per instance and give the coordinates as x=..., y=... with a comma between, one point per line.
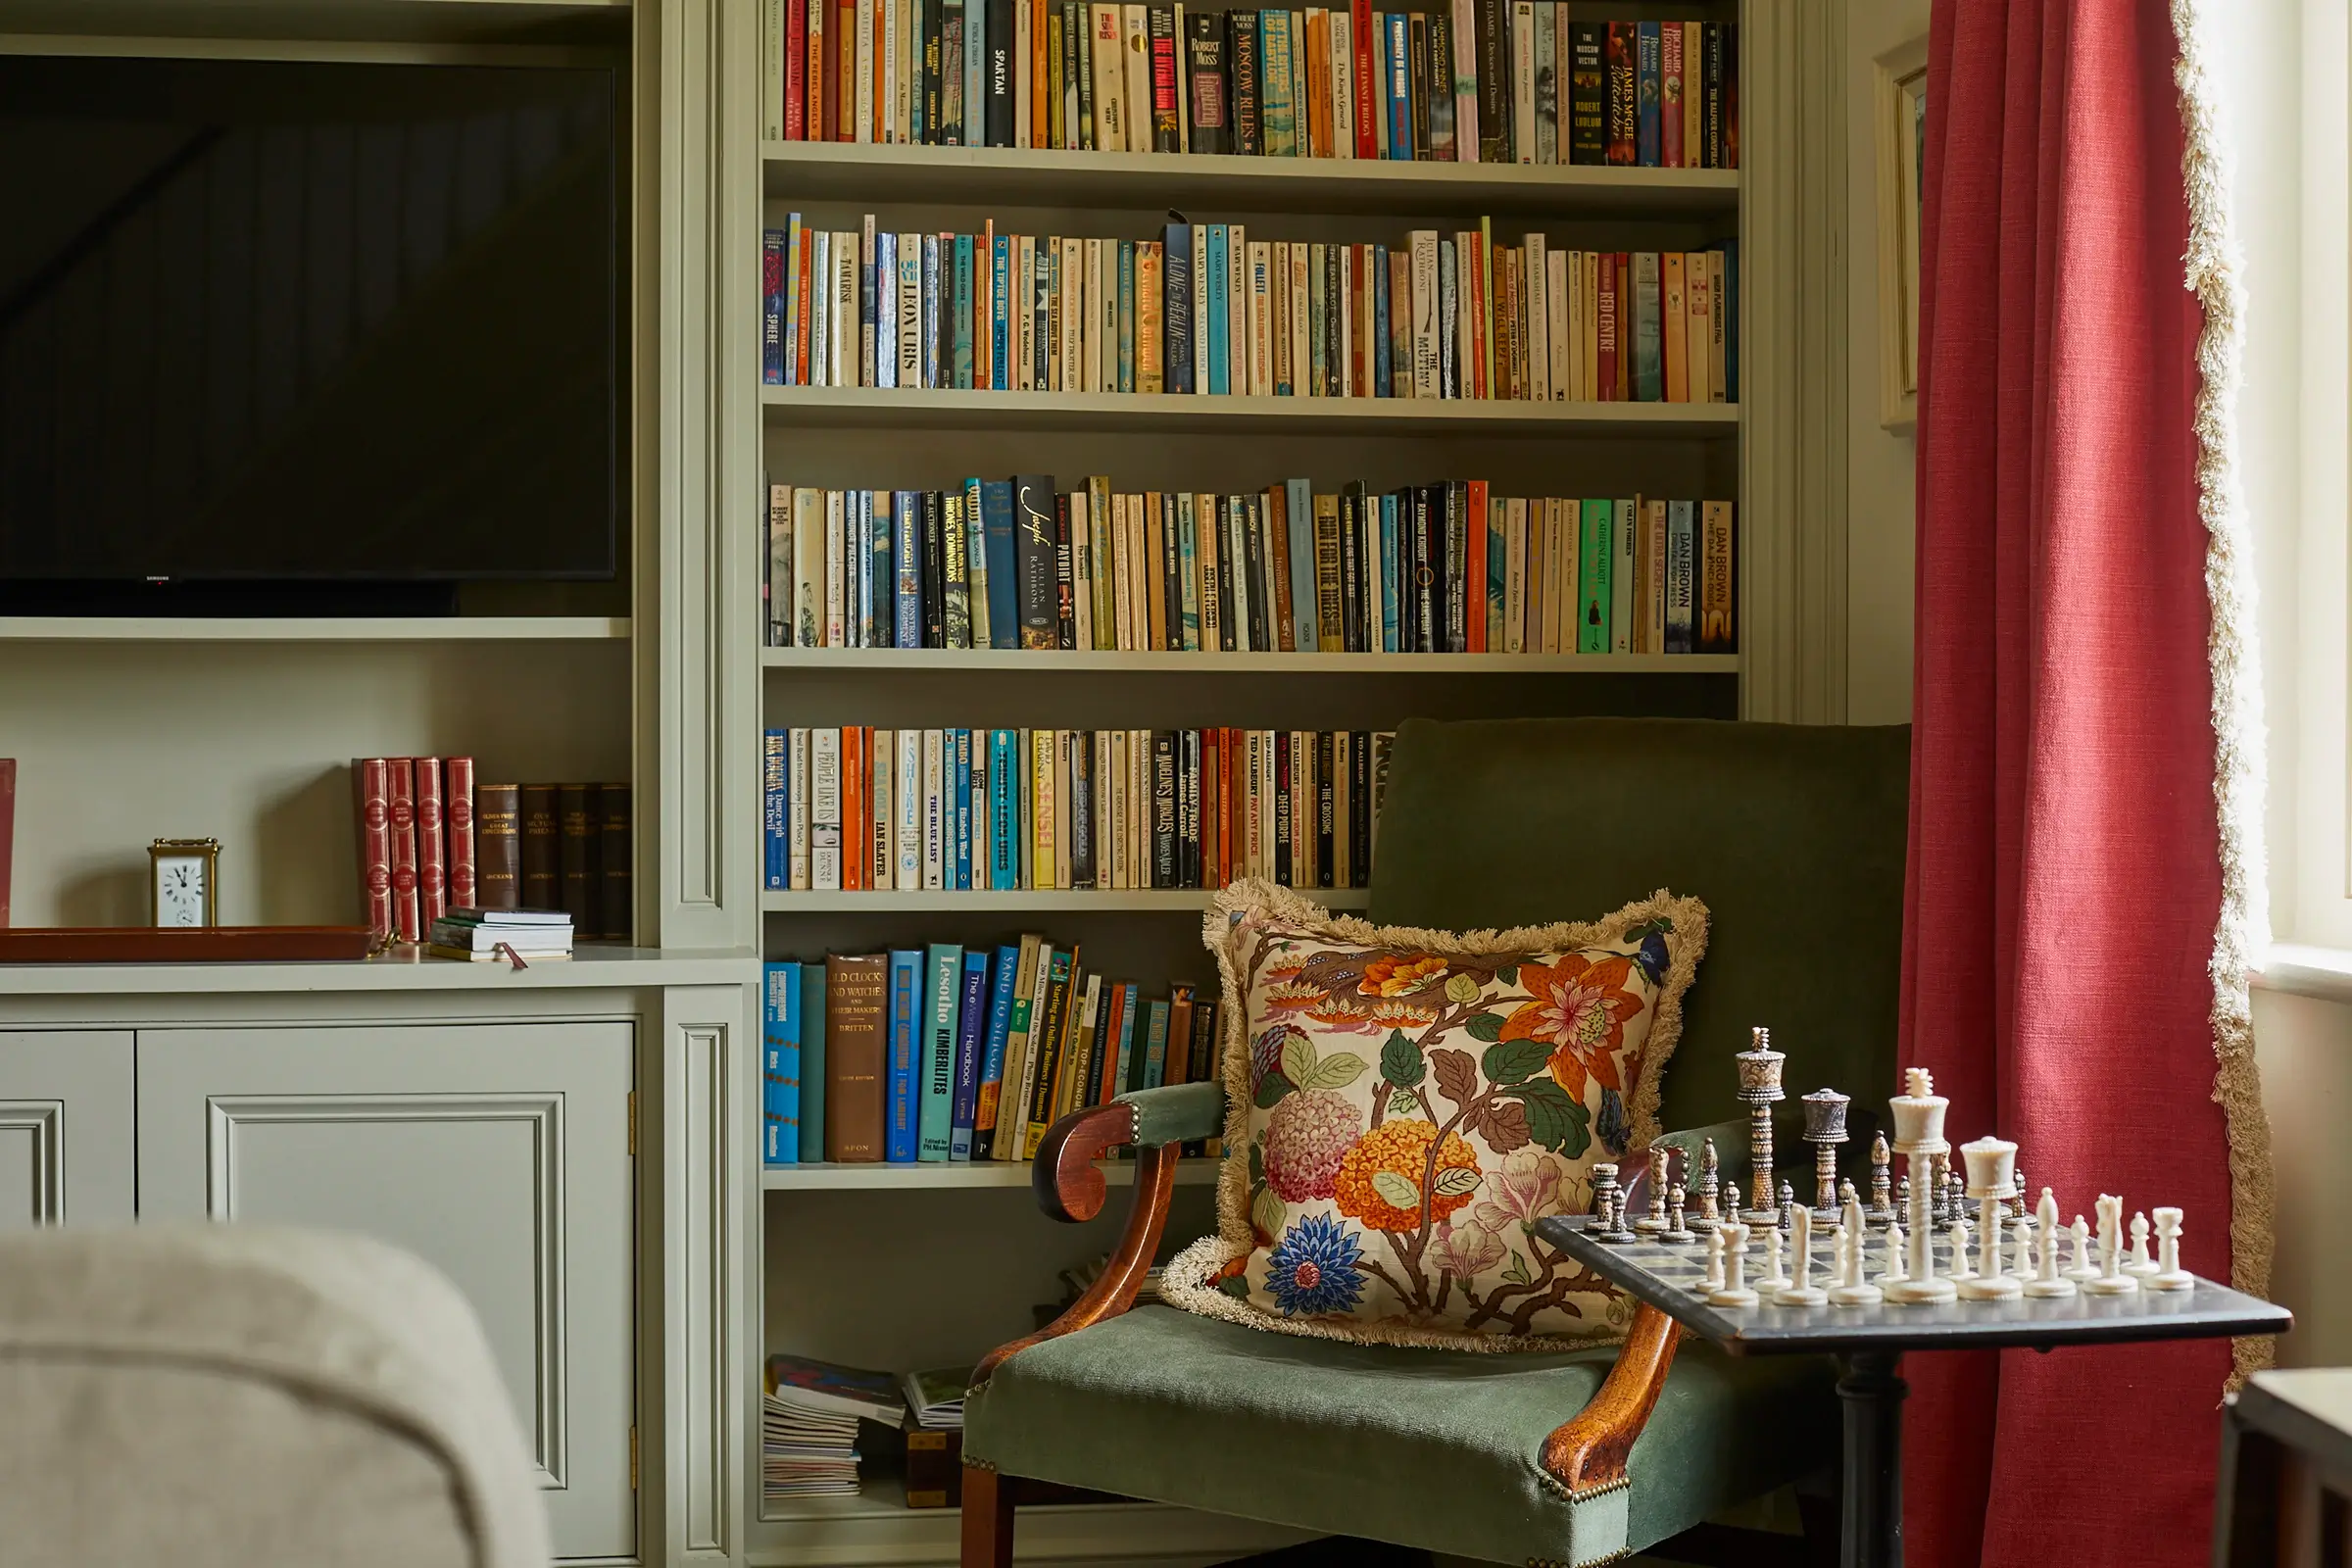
x=307, y=320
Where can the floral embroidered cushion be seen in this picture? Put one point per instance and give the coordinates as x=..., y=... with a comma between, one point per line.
x=1401, y=1104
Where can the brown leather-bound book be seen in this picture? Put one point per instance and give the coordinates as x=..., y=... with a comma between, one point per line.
x=857, y=1001
x=576, y=830
x=542, y=863
x=498, y=846
x=618, y=892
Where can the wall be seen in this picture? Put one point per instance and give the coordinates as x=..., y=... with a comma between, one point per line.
x=1878, y=462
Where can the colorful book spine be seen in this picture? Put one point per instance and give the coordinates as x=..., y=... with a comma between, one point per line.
x=903, y=1086
x=971, y=1046
x=776, y=808
x=780, y=1065
x=943, y=991
x=814, y=1068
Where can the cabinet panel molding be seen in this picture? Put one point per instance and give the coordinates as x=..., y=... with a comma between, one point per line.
x=39, y=1161
x=229, y=1117
x=67, y=1152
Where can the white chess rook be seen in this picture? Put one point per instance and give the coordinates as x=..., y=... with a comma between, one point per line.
x=1990, y=1163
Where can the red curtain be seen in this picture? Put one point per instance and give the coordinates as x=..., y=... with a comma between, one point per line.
x=2064, y=860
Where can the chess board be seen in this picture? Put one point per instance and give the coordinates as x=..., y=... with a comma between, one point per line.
x=1672, y=1277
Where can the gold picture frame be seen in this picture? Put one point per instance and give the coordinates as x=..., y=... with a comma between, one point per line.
x=1899, y=119
x=182, y=849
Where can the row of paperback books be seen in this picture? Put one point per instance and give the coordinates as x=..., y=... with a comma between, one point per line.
x=432, y=840
x=862, y=809
x=1448, y=567
x=953, y=1055
x=1206, y=310
x=1473, y=81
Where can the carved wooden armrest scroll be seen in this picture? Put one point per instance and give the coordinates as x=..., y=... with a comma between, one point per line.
x=1587, y=1456
x=1069, y=1188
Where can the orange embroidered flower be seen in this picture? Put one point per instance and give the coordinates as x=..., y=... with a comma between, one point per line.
x=1392, y=974
x=1379, y=1177
x=1579, y=1006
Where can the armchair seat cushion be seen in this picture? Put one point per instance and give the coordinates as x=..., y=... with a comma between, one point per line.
x=1427, y=1448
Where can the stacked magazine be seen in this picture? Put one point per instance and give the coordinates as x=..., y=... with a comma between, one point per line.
x=481, y=936
x=808, y=1425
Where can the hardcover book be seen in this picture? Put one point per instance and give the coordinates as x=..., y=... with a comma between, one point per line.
x=857, y=989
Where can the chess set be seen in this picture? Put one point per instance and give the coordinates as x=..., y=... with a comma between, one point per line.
x=1701, y=1238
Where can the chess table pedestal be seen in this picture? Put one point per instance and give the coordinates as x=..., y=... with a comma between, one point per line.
x=1870, y=1394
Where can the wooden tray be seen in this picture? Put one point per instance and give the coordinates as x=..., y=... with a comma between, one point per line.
x=220, y=944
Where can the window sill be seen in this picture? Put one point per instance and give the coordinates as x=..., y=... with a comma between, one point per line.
x=2307, y=971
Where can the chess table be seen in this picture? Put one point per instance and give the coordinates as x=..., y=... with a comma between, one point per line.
x=1869, y=1342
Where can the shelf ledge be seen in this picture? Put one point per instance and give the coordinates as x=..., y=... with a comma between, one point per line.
x=830, y=1177
x=937, y=660
x=937, y=408
x=313, y=629
x=1073, y=901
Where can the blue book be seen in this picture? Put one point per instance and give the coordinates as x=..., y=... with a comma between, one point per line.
x=1004, y=806
x=901, y=1072
x=886, y=308
x=1188, y=559
x=1155, y=1044
x=813, y=1063
x=775, y=808
x=772, y=246
x=1124, y=1074
x=780, y=1065
x=1682, y=573
x=1648, y=380
x=908, y=535
x=1648, y=86
x=971, y=1037
x=1126, y=315
x=962, y=812
x=1396, y=84
x=942, y=989
x=1383, y=370
x=1729, y=303
x=878, y=585
x=992, y=1056
x=1003, y=589
x=1219, y=336
x=963, y=287
x=1391, y=573
x=1000, y=306
x=1298, y=518
x=1176, y=319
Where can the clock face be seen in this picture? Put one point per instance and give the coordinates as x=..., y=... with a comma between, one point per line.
x=179, y=891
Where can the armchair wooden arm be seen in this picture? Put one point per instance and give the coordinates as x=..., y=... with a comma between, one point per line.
x=1072, y=1189
x=1587, y=1456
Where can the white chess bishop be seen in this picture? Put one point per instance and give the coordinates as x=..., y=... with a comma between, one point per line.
x=1851, y=1289
x=2048, y=1284
x=1801, y=1292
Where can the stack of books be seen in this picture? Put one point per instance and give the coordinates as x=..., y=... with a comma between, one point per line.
x=936, y=1397
x=482, y=936
x=1207, y=310
x=1449, y=568
x=951, y=1054
x=1470, y=82
x=808, y=1425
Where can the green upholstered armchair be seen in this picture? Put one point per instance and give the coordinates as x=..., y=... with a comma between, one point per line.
x=1794, y=837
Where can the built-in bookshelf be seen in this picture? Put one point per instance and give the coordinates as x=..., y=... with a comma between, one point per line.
x=888, y=1309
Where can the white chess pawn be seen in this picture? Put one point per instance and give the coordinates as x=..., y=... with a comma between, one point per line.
x=2137, y=1263
x=1960, y=1269
x=1775, y=1275
x=1804, y=1291
x=2021, y=1257
x=2045, y=1285
x=1851, y=1289
x=1893, y=1272
x=2082, y=1270
x=2168, y=1275
x=2112, y=1280
x=1734, y=1291
x=1714, y=1260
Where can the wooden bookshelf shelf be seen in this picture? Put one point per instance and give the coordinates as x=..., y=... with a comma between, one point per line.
x=942, y=660
x=980, y=1173
x=925, y=408
x=1057, y=900
x=872, y=172
x=318, y=629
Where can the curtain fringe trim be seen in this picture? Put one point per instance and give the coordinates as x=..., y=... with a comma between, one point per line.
x=2241, y=933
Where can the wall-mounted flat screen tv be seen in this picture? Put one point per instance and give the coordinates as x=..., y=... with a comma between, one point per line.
x=307, y=320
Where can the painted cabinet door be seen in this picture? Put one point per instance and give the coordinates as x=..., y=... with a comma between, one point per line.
x=498, y=1153
x=66, y=1154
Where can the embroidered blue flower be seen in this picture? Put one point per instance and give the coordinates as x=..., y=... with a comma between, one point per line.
x=1312, y=1268
x=1653, y=958
x=1612, y=1124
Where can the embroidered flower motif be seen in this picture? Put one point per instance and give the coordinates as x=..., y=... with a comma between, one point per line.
x=1312, y=1268
x=1305, y=1138
x=1340, y=1015
x=1464, y=1249
x=1392, y=974
x=1579, y=1007
x=1380, y=1178
x=1265, y=1054
x=1291, y=995
x=1525, y=1187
